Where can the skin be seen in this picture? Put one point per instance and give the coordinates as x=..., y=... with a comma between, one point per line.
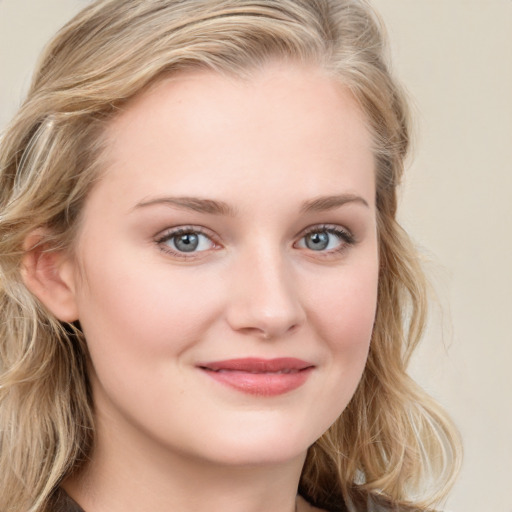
x=265, y=147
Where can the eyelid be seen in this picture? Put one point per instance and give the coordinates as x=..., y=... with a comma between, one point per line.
x=330, y=228
x=169, y=233
x=347, y=238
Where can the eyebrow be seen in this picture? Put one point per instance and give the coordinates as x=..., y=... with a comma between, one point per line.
x=195, y=204
x=213, y=207
x=325, y=203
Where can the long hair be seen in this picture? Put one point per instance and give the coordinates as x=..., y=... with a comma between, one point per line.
x=392, y=438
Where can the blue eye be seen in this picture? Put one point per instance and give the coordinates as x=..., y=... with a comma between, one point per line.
x=183, y=240
x=326, y=239
x=318, y=241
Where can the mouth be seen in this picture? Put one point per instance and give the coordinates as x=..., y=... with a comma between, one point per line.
x=263, y=377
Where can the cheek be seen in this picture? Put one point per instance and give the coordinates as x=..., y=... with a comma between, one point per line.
x=344, y=306
x=342, y=313
x=128, y=308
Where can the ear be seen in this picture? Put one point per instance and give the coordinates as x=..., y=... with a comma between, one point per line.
x=50, y=275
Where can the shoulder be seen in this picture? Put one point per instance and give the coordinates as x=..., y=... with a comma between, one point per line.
x=61, y=502
x=369, y=503
x=304, y=506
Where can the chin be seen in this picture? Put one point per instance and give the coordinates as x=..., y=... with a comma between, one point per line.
x=252, y=456
x=256, y=447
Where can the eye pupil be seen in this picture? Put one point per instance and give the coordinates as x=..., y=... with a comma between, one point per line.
x=317, y=241
x=186, y=242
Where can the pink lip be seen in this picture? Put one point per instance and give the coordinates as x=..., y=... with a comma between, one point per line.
x=264, y=377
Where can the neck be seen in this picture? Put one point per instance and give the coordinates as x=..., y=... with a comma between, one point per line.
x=124, y=475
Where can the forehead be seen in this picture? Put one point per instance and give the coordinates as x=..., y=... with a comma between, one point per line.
x=201, y=131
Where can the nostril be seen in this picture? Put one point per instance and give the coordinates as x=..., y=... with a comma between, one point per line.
x=270, y=332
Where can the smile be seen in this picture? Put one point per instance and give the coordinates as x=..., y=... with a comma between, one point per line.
x=263, y=377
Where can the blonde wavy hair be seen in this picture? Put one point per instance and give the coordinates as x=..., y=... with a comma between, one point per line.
x=392, y=447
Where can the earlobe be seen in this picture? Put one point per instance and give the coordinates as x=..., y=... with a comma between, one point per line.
x=49, y=275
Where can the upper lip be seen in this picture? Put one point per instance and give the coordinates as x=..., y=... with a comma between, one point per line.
x=258, y=365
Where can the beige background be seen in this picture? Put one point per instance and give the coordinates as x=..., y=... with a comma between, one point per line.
x=455, y=57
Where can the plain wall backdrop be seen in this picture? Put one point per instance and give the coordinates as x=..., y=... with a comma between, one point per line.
x=455, y=59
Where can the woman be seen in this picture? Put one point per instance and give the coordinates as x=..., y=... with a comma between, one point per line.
x=207, y=303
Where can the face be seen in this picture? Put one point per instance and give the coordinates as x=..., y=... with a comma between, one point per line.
x=227, y=263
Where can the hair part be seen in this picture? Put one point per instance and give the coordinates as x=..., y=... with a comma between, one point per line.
x=392, y=436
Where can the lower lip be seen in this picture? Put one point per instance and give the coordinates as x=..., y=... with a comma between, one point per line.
x=261, y=384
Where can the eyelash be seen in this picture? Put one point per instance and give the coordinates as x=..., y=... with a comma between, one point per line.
x=184, y=230
x=346, y=238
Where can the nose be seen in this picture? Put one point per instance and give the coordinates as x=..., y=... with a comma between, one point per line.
x=263, y=297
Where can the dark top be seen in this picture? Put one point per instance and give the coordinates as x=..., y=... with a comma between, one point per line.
x=63, y=503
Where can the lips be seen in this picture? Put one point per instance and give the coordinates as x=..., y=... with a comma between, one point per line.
x=263, y=377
